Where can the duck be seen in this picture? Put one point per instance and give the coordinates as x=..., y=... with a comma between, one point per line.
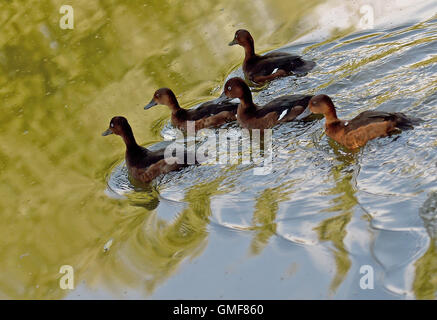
x=250, y=116
x=260, y=69
x=143, y=164
x=210, y=114
x=366, y=126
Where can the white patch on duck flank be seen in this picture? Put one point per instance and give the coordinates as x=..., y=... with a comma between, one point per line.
x=274, y=71
x=235, y=100
x=346, y=123
x=283, y=114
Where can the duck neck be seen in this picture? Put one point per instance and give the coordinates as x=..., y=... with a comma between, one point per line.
x=173, y=103
x=129, y=139
x=331, y=117
x=174, y=108
x=246, y=100
x=249, y=51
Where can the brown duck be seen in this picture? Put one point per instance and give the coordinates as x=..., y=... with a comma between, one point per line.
x=210, y=114
x=260, y=69
x=366, y=126
x=250, y=116
x=142, y=164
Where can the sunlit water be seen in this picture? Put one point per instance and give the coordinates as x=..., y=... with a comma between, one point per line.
x=217, y=231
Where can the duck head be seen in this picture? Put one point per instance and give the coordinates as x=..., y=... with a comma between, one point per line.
x=118, y=126
x=243, y=38
x=163, y=96
x=236, y=88
x=321, y=104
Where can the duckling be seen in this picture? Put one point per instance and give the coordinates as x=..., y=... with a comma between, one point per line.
x=143, y=165
x=260, y=69
x=366, y=126
x=210, y=114
x=250, y=116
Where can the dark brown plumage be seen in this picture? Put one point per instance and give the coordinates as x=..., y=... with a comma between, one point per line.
x=366, y=126
x=251, y=116
x=142, y=164
x=260, y=69
x=208, y=115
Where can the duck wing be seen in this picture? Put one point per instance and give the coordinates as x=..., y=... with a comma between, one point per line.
x=210, y=108
x=150, y=157
x=365, y=118
x=270, y=63
x=279, y=105
x=155, y=156
x=276, y=54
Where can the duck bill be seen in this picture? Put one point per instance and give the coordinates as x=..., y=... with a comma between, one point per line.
x=222, y=98
x=107, y=132
x=233, y=42
x=152, y=103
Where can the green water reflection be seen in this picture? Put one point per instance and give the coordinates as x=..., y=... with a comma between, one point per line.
x=344, y=201
x=264, y=215
x=425, y=280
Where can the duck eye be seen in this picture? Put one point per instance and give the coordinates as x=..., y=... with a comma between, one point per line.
x=112, y=125
x=229, y=88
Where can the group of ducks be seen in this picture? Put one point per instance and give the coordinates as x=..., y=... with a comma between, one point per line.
x=145, y=165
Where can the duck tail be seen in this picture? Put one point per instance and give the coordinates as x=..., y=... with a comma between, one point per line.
x=405, y=123
x=305, y=67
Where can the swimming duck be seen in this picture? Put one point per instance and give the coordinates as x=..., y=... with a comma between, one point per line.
x=209, y=114
x=366, y=126
x=260, y=69
x=251, y=116
x=142, y=164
